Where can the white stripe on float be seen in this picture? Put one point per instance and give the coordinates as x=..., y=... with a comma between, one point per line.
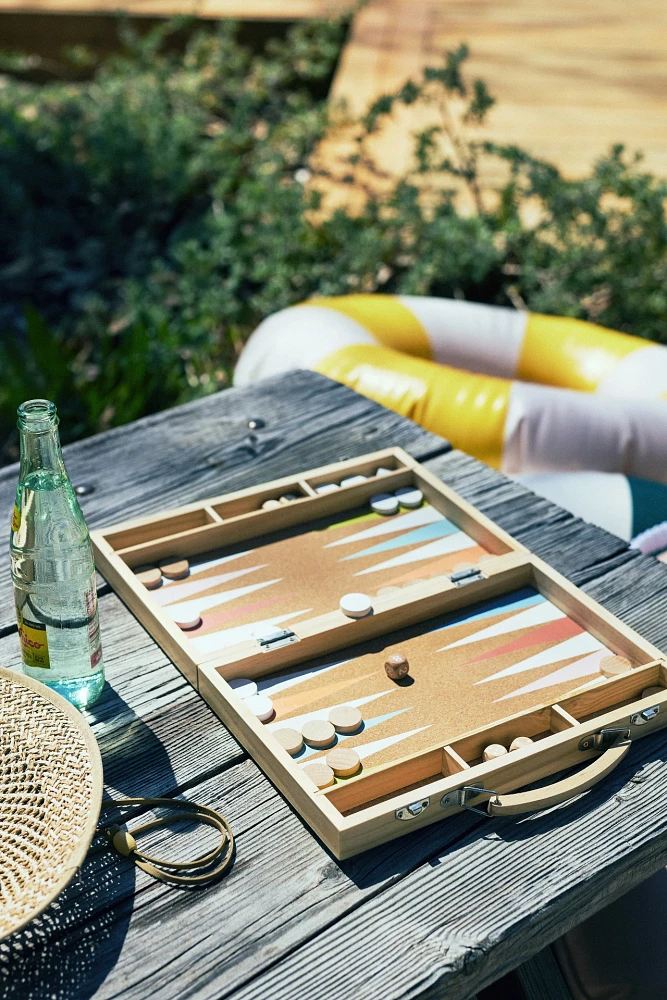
x=610, y=435
x=305, y=335
x=470, y=335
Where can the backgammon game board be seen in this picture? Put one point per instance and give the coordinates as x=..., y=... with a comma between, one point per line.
x=387, y=653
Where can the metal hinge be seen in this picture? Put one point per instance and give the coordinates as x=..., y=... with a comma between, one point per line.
x=413, y=810
x=467, y=576
x=603, y=739
x=274, y=640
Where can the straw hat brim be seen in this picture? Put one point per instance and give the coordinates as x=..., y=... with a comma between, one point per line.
x=51, y=787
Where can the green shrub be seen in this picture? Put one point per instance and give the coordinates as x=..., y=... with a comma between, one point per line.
x=150, y=217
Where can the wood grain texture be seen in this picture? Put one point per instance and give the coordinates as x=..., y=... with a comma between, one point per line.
x=410, y=919
x=247, y=10
x=205, y=448
x=541, y=978
x=570, y=80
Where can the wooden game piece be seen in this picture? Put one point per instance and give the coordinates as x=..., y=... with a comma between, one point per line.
x=345, y=718
x=520, y=741
x=318, y=732
x=244, y=687
x=384, y=503
x=612, y=666
x=287, y=498
x=409, y=497
x=185, y=622
x=493, y=751
x=271, y=505
x=396, y=667
x=326, y=488
x=353, y=480
x=174, y=568
x=289, y=739
x=150, y=576
x=355, y=605
x=343, y=761
x=260, y=706
x=650, y=691
x=320, y=774
x=383, y=472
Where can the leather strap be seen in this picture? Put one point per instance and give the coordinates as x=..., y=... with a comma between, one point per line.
x=560, y=791
x=125, y=842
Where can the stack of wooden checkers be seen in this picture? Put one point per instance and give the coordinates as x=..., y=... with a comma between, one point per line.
x=321, y=734
x=171, y=568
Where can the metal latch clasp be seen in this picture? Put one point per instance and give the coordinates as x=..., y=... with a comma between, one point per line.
x=413, y=810
x=603, y=739
x=460, y=796
x=274, y=640
x=647, y=715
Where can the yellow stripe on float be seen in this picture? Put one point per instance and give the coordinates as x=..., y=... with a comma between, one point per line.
x=571, y=353
x=385, y=316
x=467, y=409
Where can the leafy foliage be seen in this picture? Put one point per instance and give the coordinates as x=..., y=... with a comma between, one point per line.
x=151, y=216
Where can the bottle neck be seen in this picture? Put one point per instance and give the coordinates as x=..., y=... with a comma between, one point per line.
x=40, y=441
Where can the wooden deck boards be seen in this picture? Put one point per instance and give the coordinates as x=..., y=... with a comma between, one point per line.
x=571, y=80
x=437, y=914
x=246, y=10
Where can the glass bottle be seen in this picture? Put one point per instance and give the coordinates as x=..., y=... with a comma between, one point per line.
x=52, y=566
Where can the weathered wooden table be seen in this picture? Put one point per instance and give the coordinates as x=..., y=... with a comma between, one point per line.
x=439, y=913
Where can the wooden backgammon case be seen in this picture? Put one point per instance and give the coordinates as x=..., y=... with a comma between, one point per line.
x=500, y=646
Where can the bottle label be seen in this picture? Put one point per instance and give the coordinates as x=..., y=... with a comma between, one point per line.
x=16, y=519
x=34, y=643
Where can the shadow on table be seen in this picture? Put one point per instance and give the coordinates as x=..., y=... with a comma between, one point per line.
x=66, y=953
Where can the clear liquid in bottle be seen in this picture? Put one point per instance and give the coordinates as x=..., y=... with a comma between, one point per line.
x=52, y=566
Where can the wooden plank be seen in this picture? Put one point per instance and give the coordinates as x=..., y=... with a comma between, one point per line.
x=246, y=10
x=205, y=448
x=569, y=84
x=541, y=978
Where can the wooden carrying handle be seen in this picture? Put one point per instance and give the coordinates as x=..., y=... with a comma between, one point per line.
x=560, y=791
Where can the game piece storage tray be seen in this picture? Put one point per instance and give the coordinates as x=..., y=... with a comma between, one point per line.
x=504, y=648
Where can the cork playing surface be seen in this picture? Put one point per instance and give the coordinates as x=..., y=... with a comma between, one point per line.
x=468, y=669
x=278, y=580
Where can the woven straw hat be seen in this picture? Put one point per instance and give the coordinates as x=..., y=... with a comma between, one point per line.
x=50, y=795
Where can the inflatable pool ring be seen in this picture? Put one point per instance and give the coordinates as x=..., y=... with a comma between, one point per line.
x=538, y=393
